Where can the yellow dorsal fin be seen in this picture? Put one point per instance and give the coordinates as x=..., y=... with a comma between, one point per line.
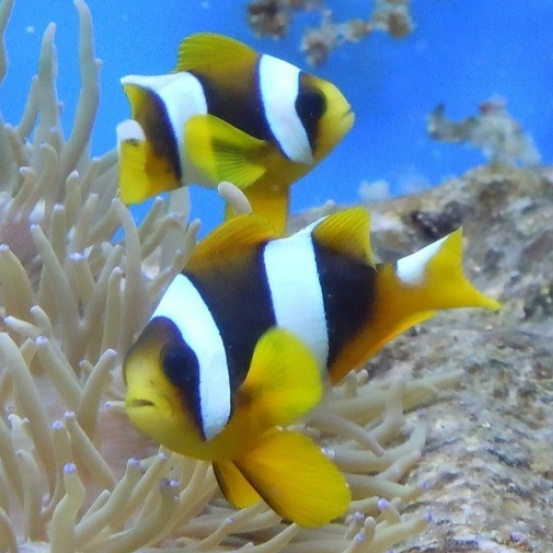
x=283, y=383
x=221, y=152
x=348, y=232
x=214, y=55
x=296, y=480
x=241, y=232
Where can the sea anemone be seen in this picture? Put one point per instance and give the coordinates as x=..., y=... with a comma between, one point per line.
x=75, y=291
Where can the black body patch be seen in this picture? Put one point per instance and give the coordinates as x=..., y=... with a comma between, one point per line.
x=155, y=122
x=310, y=106
x=240, y=105
x=239, y=300
x=348, y=295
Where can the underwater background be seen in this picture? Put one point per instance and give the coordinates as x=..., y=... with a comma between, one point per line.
x=460, y=53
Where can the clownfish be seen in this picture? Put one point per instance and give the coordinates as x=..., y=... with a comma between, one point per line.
x=235, y=339
x=228, y=113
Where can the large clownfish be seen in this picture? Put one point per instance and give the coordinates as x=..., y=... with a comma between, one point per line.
x=210, y=376
x=228, y=113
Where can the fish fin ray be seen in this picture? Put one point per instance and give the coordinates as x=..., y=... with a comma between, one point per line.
x=212, y=53
x=239, y=233
x=289, y=471
x=347, y=231
x=224, y=153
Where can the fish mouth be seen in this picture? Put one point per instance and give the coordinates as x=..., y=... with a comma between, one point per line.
x=140, y=402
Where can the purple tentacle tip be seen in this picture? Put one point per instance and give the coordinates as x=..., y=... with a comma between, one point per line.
x=70, y=468
x=383, y=504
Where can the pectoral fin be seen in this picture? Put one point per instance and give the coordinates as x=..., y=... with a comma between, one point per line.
x=283, y=383
x=221, y=152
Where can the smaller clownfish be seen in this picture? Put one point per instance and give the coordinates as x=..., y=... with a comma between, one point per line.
x=242, y=338
x=228, y=113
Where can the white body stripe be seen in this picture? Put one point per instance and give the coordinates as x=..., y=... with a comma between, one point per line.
x=182, y=95
x=279, y=85
x=296, y=292
x=185, y=307
x=411, y=269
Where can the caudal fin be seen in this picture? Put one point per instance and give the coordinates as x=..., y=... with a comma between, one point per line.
x=435, y=274
x=290, y=473
x=142, y=172
x=408, y=293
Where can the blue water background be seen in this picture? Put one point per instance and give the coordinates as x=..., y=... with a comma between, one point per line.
x=462, y=52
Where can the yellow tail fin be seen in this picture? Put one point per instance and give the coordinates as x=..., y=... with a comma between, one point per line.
x=433, y=277
x=142, y=173
x=295, y=479
x=408, y=293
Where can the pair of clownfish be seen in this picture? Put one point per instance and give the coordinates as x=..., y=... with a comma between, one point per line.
x=244, y=338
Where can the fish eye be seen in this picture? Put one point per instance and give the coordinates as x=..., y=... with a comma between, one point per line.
x=310, y=105
x=180, y=365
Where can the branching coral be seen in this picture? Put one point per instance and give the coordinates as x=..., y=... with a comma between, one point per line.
x=499, y=136
x=274, y=17
x=73, y=296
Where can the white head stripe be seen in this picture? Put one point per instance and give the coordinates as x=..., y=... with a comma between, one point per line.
x=411, y=269
x=296, y=292
x=279, y=85
x=182, y=95
x=185, y=307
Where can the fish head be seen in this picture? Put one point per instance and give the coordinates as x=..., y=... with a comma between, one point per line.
x=157, y=402
x=325, y=113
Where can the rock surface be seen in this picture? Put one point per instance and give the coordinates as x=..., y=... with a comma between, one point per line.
x=489, y=455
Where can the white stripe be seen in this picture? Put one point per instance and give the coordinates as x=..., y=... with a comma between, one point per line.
x=296, y=292
x=279, y=85
x=411, y=269
x=185, y=307
x=182, y=95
